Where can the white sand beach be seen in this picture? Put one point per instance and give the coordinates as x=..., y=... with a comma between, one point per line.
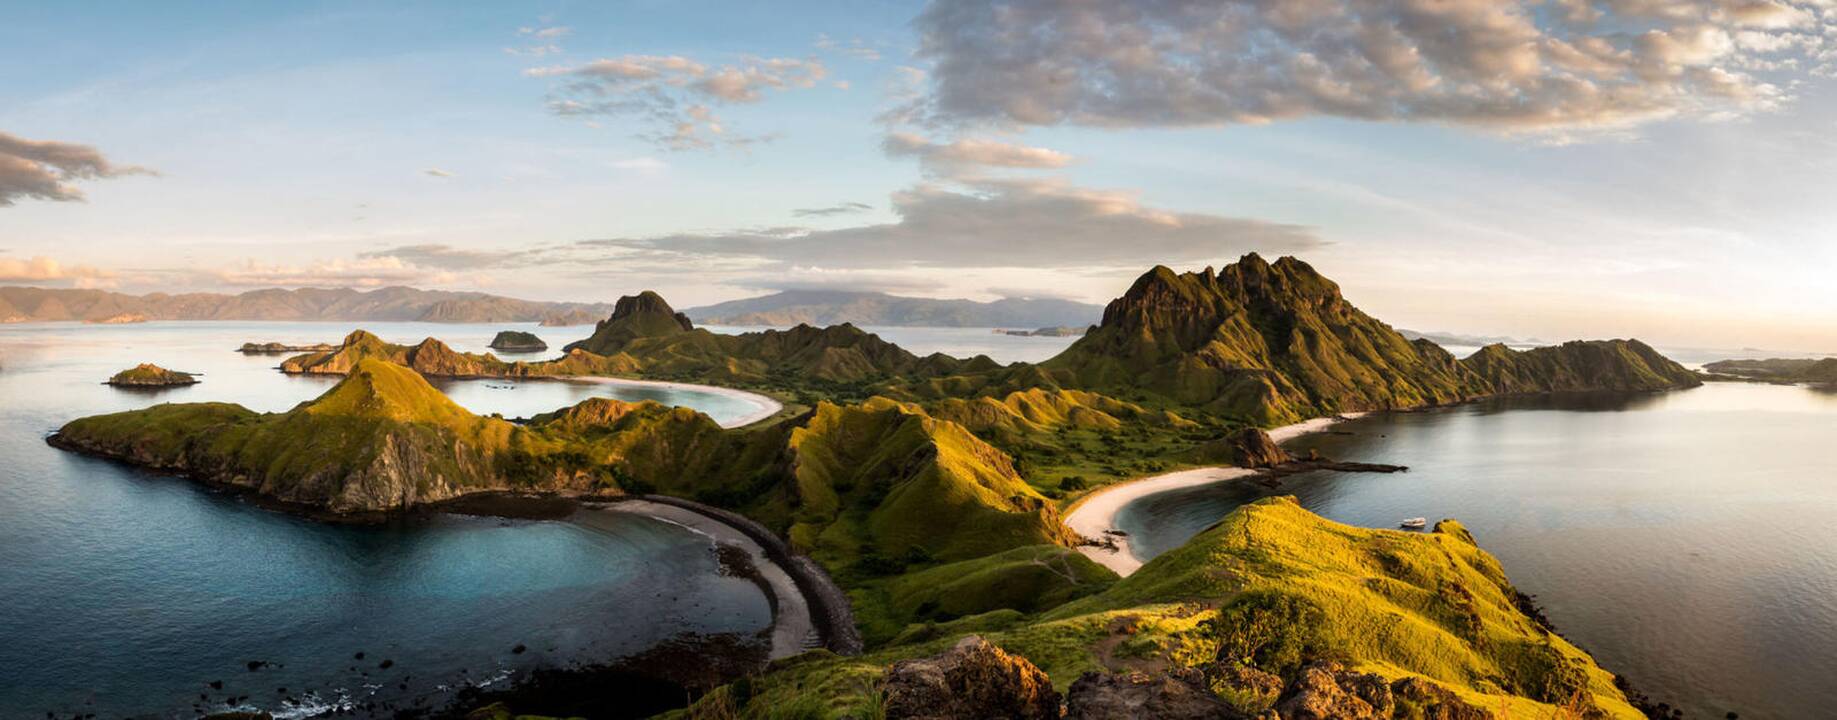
x=766, y=407
x=1096, y=513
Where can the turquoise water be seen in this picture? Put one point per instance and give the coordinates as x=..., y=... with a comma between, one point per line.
x=1688, y=540
x=127, y=593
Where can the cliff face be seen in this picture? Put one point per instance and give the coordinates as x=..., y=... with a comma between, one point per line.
x=384, y=440
x=1272, y=343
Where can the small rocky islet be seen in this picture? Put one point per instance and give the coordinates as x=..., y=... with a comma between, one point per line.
x=148, y=375
x=517, y=341
x=931, y=488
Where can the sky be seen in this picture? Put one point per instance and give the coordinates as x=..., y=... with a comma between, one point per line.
x=1556, y=169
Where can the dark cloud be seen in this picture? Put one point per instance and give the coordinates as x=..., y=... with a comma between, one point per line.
x=44, y=169
x=1000, y=223
x=1515, y=66
x=846, y=208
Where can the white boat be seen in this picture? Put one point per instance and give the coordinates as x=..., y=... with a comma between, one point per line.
x=1416, y=523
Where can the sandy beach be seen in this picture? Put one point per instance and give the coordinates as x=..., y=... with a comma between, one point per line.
x=765, y=406
x=792, y=625
x=1096, y=513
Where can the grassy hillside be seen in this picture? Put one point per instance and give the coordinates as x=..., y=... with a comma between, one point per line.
x=1614, y=365
x=1270, y=588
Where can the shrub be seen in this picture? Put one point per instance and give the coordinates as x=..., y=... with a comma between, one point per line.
x=1271, y=631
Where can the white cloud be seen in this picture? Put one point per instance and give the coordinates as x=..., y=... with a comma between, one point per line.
x=966, y=155
x=41, y=269
x=437, y=172
x=361, y=272
x=999, y=223
x=673, y=94
x=1502, y=65
x=45, y=169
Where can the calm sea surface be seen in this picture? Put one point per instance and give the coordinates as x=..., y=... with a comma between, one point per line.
x=1688, y=539
x=126, y=594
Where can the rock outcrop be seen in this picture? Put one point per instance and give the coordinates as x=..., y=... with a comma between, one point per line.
x=150, y=375
x=974, y=679
x=1180, y=694
x=517, y=341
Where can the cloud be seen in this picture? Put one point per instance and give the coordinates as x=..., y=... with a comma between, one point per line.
x=437, y=172
x=837, y=280
x=854, y=48
x=966, y=155
x=673, y=94
x=45, y=169
x=845, y=208
x=447, y=257
x=541, y=40
x=42, y=269
x=1001, y=223
x=362, y=272
x=1527, y=66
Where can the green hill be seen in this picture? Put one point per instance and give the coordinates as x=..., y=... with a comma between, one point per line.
x=1247, y=605
x=660, y=342
x=1267, y=344
x=1613, y=365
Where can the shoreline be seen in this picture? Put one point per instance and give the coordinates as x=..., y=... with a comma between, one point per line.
x=1094, y=515
x=793, y=621
x=766, y=405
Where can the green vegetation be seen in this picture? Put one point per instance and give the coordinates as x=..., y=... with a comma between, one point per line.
x=929, y=485
x=1272, y=587
x=1782, y=370
x=150, y=375
x=517, y=341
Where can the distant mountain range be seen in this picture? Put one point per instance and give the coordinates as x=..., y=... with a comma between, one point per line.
x=31, y=304
x=1446, y=338
x=830, y=307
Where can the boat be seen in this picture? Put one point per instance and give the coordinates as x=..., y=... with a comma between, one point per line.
x=1415, y=523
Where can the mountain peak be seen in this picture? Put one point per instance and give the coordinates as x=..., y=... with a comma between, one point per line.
x=646, y=314
x=379, y=389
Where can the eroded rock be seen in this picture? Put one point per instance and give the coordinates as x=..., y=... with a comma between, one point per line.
x=974, y=679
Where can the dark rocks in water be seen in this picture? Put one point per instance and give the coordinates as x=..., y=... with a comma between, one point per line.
x=1180, y=694
x=518, y=341
x=216, y=684
x=519, y=649
x=255, y=665
x=386, y=664
x=239, y=716
x=974, y=679
x=359, y=655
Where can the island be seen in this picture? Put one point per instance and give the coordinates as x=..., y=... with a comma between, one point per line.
x=275, y=348
x=517, y=341
x=1059, y=331
x=147, y=375
x=1779, y=370
x=934, y=490
x=568, y=318
x=126, y=318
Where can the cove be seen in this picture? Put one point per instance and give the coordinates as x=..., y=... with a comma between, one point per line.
x=1686, y=539
x=129, y=594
